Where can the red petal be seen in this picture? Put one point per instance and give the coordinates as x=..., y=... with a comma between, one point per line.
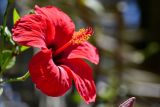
x=85, y=50
x=50, y=79
x=31, y=30
x=128, y=103
x=82, y=75
x=64, y=27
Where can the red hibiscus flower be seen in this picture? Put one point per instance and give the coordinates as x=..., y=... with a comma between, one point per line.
x=60, y=59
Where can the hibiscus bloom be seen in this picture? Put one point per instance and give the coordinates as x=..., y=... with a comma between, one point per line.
x=128, y=103
x=62, y=50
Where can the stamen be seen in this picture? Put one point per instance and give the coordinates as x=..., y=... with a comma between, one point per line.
x=82, y=35
x=78, y=37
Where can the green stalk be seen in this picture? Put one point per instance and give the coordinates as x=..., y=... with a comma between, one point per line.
x=5, y=19
x=3, y=34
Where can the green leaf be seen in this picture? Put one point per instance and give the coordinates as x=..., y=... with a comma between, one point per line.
x=8, y=35
x=8, y=60
x=75, y=97
x=23, y=48
x=11, y=63
x=16, y=16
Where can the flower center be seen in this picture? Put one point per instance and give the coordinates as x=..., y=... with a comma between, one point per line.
x=78, y=38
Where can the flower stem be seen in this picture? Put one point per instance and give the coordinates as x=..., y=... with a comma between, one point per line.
x=22, y=78
x=2, y=33
x=5, y=19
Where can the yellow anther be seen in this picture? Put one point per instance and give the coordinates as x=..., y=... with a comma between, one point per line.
x=82, y=35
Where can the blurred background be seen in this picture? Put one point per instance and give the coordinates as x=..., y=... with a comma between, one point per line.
x=127, y=35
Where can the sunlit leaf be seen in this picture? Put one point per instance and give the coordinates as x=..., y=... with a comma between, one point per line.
x=7, y=31
x=8, y=60
x=8, y=35
x=76, y=98
x=23, y=48
x=11, y=63
x=16, y=16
